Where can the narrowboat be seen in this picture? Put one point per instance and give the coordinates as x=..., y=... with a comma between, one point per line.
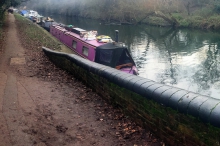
x=47, y=22
x=99, y=49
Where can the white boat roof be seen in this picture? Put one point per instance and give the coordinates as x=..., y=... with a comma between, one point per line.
x=79, y=29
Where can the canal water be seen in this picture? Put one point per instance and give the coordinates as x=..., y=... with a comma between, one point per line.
x=184, y=58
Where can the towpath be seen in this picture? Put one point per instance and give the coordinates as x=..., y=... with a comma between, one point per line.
x=34, y=111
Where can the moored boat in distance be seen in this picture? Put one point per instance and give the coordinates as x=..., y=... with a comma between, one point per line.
x=46, y=22
x=99, y=49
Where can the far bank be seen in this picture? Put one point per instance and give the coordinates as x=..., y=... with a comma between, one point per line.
x=176, y=13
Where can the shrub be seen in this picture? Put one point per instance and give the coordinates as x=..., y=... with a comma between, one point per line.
x=157, y=21
x=184, y=23
x=196, y=21
x=177, y=16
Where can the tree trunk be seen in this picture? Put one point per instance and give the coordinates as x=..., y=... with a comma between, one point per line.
x=170, y=19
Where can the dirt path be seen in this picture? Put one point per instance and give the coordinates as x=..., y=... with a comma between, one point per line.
x=11, y=112
x=38, y=112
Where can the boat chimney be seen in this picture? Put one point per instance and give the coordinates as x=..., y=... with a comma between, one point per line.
x=116, y=36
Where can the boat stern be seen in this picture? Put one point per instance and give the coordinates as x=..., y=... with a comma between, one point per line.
x=131, y=70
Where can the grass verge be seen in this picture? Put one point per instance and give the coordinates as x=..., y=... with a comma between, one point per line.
x=32, y=38
x=2, y=34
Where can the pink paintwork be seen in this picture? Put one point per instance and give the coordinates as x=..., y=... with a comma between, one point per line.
x=130, y=70
x=68, y=38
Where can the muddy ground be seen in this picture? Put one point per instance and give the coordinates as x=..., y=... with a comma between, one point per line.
x=44, y=106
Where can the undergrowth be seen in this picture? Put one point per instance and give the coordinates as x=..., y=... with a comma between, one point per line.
x=205, y=20
x=2, y=32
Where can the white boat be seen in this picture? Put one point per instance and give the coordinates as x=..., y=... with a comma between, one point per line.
x=32, y=13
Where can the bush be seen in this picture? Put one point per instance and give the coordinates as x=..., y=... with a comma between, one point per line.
x=184, y=23
x=214, y=19
x=196, y=21
x=204, y=12
x=156, y=21
x=177, y=16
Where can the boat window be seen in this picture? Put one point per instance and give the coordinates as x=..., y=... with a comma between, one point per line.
x=124, y=59
x=106, y=56
x=74, y=44
x=85, y=51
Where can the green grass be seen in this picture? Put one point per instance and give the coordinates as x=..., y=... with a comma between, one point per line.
x=34, y=35
x=2, y=32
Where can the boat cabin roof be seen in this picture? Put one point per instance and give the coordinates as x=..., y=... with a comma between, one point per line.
x=94, y=42
x=61, y=28
x=78, y=30
x=111, y=46
x=113, y=54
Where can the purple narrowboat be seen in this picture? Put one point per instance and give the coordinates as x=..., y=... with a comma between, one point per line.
x=99, y=49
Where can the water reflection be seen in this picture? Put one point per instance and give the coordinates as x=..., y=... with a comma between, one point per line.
x=184, y=58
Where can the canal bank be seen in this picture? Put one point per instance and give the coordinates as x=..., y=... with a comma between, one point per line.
x=43, y=105
x=154, y=104
x=172, y=113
